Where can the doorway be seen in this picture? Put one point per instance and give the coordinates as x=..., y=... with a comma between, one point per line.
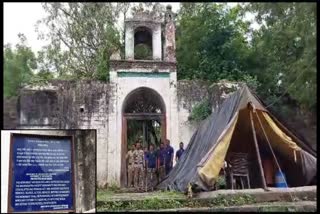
x=144, y=118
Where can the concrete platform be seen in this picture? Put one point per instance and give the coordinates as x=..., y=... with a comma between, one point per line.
x=301, y=206
x=275, y=194
x=298, y=199
x=261, y=195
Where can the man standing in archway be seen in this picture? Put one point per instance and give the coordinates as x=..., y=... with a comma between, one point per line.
x=169, y=152
x=179, y=152
x=138, y=166
x=130, y=168
x=151, y=159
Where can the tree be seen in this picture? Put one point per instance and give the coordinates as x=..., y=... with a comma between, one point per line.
x=82, y=38
x=211, y=42
x=284, y=56
x=18, y=66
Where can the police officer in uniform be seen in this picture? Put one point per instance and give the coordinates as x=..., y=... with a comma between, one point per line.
x=130, y=168
x=138, y=166
x=151, y=160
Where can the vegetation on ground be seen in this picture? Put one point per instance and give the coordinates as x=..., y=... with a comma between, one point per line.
x=155, y=203
x=107, y=193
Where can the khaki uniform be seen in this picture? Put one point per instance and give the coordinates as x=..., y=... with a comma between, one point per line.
x=130, y=168
x=138, y=157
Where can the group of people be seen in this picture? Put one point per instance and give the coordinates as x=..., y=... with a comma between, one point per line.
x=148, y=167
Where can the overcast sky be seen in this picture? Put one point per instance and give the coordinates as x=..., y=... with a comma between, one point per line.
x=22, y=17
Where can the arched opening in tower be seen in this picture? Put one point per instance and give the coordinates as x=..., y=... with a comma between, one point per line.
x=143, y=43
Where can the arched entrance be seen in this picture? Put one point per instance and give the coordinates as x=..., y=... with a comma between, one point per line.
x=144, y=117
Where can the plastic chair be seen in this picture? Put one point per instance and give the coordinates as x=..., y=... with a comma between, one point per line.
x=238, y=167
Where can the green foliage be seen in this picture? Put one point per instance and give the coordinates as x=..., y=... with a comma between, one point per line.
x=18, y=66
x=211, y=43
x=252, y=82
x=142, y=51
x=156, y=203
x=83, y=36
x=284, y=49
x=147, y=204
x=278, y=60
x=200, y=111
x=113, y=187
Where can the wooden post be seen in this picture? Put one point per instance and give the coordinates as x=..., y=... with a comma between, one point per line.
x=257, y=150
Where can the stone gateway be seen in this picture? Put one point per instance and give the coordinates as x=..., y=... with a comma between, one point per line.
x=143, y=91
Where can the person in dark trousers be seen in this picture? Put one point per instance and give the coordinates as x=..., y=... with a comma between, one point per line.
x=168, y=156
x=161, y=160
x=145, y=163
x=151, y=162
x=180, y=151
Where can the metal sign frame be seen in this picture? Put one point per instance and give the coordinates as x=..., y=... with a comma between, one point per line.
x=11, y=173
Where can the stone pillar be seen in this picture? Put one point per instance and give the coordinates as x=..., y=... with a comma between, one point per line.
x=169, y=34
x=129, y=42
x=156, y=43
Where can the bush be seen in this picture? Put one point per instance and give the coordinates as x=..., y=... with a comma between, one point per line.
x=142, y=51
x=200, y=111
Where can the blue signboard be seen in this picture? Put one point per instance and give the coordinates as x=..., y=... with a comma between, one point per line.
x=42, y=174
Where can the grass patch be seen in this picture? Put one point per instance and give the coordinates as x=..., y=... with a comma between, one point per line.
x=104, y=194
x=156, y=203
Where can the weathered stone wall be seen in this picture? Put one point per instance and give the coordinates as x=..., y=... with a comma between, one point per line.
x=65, y=104
x=91, y=105
x=10, y=113
x=85, y=165
x=192, y=92
x=71, y=105
x=96, y=105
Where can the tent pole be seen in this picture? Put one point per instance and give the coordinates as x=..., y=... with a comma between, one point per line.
x=258, y=154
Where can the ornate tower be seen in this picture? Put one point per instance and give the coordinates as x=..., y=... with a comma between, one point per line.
x=145, y=78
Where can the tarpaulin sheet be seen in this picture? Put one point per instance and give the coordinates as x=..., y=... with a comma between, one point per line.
x=210, y=171
x=204, y=141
